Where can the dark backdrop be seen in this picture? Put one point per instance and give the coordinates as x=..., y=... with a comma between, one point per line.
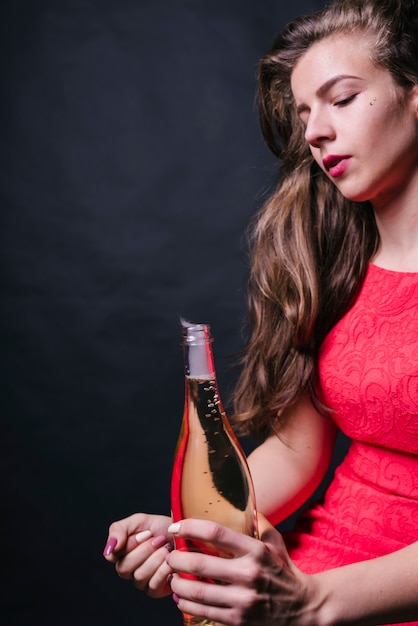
x=131, y=162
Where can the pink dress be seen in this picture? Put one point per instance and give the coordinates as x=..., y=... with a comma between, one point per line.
x=369, y=377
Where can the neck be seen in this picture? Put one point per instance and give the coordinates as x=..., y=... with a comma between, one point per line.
x=397, y=222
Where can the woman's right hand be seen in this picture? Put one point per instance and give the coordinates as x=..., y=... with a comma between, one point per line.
x=138, y=546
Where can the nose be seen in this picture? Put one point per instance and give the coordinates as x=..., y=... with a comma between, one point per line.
x=318, y=129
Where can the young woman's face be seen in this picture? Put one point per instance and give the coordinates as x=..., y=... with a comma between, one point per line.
x=360, y=131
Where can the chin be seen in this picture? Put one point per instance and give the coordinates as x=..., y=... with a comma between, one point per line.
x=356, y=196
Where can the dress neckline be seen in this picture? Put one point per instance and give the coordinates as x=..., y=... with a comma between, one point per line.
x=383, y=270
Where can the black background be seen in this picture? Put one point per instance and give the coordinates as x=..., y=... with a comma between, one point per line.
x=131, y=162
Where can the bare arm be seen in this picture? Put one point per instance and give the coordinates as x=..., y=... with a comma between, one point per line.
x=383, y=590
x=287, y=471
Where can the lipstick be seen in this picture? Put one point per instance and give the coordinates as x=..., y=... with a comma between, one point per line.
x=336, y=164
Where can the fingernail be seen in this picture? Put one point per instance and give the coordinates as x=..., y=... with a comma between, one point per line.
x=159, y=541
x=169, y=579
x=175, y=598
x=110, y=546
x=142, y=536
x=174, y=528
x=169, y=547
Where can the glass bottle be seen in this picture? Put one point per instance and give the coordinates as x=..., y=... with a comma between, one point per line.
x=210, y=478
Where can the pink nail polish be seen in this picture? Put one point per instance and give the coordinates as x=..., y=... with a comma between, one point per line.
x=175, y=598
x=110, y=546
x=159, y=541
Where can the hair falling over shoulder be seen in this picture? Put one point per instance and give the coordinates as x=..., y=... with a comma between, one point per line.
x=310, y=246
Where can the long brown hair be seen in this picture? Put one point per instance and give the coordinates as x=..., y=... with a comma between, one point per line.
x=310, y=246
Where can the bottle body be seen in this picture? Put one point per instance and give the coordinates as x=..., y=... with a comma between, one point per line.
x=210, y=478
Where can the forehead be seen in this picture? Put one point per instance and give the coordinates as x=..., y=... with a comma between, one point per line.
x=341, y=54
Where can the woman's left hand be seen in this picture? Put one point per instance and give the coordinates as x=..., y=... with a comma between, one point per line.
x=261, y=585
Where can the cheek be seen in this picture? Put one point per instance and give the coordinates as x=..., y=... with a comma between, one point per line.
x=389, y=123
x=390, y=138
x=316, y=153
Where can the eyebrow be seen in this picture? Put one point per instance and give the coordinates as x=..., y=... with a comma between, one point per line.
x=323, y=89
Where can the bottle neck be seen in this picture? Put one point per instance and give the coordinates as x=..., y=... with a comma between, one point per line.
x=197, y=351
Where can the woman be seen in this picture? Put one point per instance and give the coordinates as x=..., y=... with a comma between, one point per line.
x=333, y=298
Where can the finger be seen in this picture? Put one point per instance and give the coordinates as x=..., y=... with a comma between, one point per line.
x=140, y=563
x=203, y=592
x=271, y=537
x=133, y=541
x=120, y=531
x=264, y=525
x=217, y=603
x=228, y=540
x=213, y=568
x=158, y=585
x=121, y=538
x=110, y=547
x=117, y=547
x=147, y=570
x=207, y=614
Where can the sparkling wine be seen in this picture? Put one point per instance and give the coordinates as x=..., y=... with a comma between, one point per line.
x=210, y=478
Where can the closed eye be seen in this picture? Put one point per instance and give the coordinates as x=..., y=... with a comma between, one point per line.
x=344, y=101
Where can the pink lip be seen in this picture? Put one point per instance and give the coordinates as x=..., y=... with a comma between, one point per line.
x=336, y=164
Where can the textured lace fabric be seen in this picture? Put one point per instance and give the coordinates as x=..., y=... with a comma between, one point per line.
x=369, y=378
